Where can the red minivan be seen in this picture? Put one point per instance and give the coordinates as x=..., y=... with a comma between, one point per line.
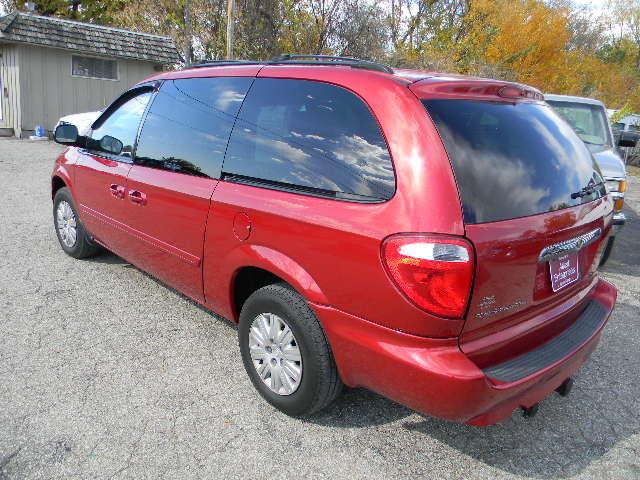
x=433, y=238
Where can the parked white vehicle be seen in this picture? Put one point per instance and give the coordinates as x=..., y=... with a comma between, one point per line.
x=588, y=117
x=82, y=121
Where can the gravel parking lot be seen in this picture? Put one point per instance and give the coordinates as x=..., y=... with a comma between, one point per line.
x=106, y=373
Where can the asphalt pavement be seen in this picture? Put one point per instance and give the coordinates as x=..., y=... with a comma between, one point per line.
x=106, y=373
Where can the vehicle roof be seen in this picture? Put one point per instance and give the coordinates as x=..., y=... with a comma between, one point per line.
x=251, y=69
x=572, y=99
x=403, y=75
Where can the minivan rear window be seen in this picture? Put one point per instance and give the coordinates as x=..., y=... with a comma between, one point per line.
x=514, y=160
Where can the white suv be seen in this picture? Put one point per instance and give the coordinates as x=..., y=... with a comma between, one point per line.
x=588, y=117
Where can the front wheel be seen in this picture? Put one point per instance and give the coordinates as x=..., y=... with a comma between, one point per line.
x=72, y=236
x=285, y=352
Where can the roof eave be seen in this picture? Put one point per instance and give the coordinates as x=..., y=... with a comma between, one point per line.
x=159, y=61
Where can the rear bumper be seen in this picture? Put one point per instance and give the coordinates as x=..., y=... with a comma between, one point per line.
x=435, y=377
x=619, y=219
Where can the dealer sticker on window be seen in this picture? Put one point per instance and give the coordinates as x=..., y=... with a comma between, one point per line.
x=564, y=271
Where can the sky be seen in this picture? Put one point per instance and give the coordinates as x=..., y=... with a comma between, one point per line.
x=598, y=6
x=594, y=3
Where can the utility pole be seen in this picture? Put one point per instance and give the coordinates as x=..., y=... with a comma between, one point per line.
x=187, y=33
x=230, y=29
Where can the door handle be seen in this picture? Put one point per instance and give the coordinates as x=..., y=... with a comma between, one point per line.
x=117, y=190
x=137, y=197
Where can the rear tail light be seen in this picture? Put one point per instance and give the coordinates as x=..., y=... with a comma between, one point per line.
x=435, y=272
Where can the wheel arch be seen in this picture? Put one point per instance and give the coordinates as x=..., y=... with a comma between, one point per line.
x=60, y=178
x=57, y=182
x=247, y=280
x=258, y=266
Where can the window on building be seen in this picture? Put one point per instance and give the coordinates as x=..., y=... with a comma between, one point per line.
x=94, y=67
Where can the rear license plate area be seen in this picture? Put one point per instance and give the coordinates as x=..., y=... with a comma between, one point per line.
x=564, y=271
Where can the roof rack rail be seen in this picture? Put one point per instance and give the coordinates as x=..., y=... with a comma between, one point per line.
x=222, y=63
x=310, y=59
x=300, y=59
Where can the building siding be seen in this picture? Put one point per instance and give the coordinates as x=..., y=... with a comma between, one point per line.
x=10, y=87
x=49, y=91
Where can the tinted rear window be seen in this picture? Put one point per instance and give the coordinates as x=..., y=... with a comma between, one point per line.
x=311, y=136
x=513, y=160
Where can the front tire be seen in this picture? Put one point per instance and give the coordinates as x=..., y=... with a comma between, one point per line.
x=72, y=235
x=285, y=351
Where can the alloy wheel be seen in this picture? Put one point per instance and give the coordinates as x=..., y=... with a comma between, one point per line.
x=67, y=224
x=275, y=353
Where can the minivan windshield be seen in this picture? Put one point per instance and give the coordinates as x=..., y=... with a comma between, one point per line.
x=589, y=121
x=514, y=159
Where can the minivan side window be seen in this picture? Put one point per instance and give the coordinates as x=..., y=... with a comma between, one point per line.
x=309, y=137
x=121, y=125
x=188, y=124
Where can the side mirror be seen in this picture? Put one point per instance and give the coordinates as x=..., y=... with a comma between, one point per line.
x=111, y=145
x=66, y=134
x=628, y=139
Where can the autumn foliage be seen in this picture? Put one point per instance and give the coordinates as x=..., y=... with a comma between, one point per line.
x=554, y=45
x=531, y=40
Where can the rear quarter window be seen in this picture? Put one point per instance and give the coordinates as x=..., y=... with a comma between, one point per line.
x=513, y=159
x=310, y=137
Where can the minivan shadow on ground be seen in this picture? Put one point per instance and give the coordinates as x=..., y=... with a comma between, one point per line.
x=108, y=258
x=567, y=436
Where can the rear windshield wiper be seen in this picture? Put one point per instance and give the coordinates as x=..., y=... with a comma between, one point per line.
x=588, y=190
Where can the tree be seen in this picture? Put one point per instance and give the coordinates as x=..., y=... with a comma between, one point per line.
x=586, y=31
x=362, y=31
x=626, y=18
x=527, y=37
x=92, y=11
x=550, y=44
x=257, y=28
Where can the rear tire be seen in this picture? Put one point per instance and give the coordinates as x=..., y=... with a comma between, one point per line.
x=73, y=237
x=319, y=384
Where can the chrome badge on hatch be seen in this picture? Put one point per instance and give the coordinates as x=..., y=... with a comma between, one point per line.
x=560, y=249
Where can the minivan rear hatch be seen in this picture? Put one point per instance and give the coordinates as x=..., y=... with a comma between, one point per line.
x=535, y=209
